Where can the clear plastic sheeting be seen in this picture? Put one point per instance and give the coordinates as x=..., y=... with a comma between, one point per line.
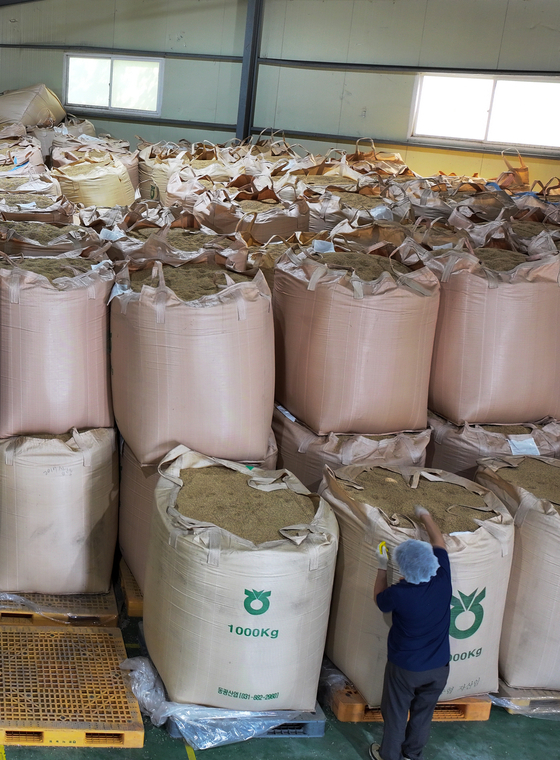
x=16, y=602
x=201, y=727
x=540, y=708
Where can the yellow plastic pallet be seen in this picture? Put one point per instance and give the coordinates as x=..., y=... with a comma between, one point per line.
x=131, y=591
x=62, y=686
x=62, y=609
x=349, y=706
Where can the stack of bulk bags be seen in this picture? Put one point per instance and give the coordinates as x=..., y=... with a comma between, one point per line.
x=32, y=106
x=237, y=597
x=306, y=454
x=54, y=369
x=530, y=644
x=457, y=448
x=376, y=504
x=71, y=127
x=497, y=346
x=67, y=149
x=156, y=164
x=96, y=180
x=193, y=368
x=354, y=336
x=136, y=506
x=58, y=513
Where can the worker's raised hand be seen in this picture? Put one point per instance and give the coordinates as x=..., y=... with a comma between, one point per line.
x=420, y=511
x=382, y=556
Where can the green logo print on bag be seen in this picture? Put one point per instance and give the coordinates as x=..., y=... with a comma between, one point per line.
x=260, y=598
x=467, y=614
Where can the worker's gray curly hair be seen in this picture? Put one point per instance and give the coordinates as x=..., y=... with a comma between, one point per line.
x=416, y=560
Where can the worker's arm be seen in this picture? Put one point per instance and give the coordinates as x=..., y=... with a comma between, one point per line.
x=434, y=533
x=381, y=577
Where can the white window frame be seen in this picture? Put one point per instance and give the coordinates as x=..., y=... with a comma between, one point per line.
x=110, y=109
x=465, y=143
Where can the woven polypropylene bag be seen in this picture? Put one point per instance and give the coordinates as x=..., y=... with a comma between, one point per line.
x=229, y=623
x=197, y=372
x=58, y=513
x=530, y=644
x=480, y=565
x=353, y=356
x=54, y=366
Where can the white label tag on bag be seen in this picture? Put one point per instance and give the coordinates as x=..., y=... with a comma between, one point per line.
x=323, y=246
x=520, y=445
x=286, y=413
x=106, y=234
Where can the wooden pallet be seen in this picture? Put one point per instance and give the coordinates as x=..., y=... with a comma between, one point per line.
x=61, y=609
x=529, y=700
x=62, y=686
x=349, y=706
x=131, y=591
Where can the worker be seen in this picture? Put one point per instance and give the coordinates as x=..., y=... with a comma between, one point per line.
x=418, y=651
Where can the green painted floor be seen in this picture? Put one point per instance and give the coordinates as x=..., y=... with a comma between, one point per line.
x=502, y=737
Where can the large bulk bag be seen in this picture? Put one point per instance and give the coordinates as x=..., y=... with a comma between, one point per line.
x=306, y=454
x=136, y=505
x=480, y=564
x=54, y=368
x=217, y=213
x=72, y=126
x=228, y=622
x=103, y=181
x=530, y=645
x=198, y=372
x=58, y=513
x=156, y=164
x=497, y=341
x=457, y=448
x=32, y=106
x=353, y=356
x=94, y=149
x=21, y=156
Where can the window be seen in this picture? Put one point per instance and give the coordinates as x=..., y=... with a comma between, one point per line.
x=113, y=83
x=488, y=109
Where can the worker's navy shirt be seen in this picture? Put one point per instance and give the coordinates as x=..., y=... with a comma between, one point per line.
x=419, y=636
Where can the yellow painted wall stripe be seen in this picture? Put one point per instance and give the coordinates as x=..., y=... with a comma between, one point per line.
x=2, y=752
x=190, y=752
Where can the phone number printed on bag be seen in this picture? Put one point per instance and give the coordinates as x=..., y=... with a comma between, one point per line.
x=242, y=695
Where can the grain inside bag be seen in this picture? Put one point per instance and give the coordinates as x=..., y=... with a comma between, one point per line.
x=231, y=621
x=54, y=364
x=530, y=644
x=136, y=505
x=457, y=448
x=377, y=504
x=193, y=364
x=305, y=454
x=58, y=512
x=353, y=350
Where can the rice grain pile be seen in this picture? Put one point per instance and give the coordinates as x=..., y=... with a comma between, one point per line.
x=258, y=206
x=222, y=496
x=50, y=268
x=40, y=201
x=453, y=507
x=367, y=266
x=188, y=281
x=41, y=232
x=508, y=429
x=498, y=259
x=178, y=238
x=537, y=477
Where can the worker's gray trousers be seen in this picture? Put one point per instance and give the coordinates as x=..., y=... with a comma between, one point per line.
x=404, y=691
